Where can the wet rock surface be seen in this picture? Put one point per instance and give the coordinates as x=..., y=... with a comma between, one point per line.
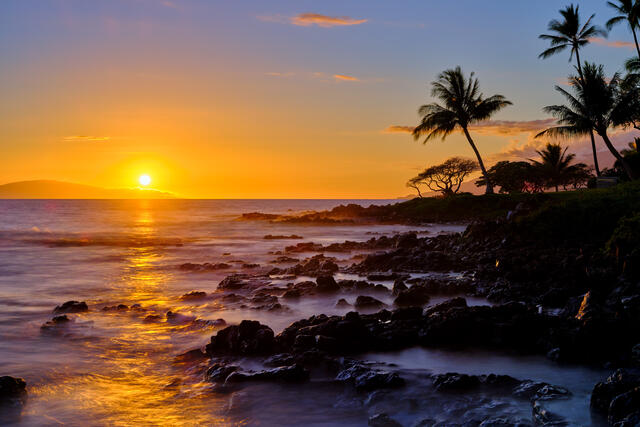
x=71, y=307
x=618, y=398
x=13, y=397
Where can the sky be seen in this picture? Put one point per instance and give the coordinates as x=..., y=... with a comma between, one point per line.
x=269, y=99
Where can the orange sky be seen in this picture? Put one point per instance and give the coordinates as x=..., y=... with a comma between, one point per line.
x=222, y=101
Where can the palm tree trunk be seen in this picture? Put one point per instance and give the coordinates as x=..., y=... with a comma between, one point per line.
x=630, y=173
x=489, y=185
x=595, y=153
x=593, y=140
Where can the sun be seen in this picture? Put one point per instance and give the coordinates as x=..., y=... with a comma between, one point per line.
x=144, y=180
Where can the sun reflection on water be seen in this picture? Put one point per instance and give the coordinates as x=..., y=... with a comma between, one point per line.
x=132, y=379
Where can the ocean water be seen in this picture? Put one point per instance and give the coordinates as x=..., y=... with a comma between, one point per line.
x=115, y=368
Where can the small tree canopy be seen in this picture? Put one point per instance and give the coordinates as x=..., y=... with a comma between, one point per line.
x=513, y=177
x=445, y=178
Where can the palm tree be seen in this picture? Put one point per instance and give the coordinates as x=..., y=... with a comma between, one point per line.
x=569, y=33
x=596, y=105
x=628, y=10
x=463, y=105
x=554, y=164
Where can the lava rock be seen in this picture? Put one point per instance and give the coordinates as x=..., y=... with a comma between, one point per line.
x=367, y=302
x=383, y=420
x=414, y=296
x=250, y=337
x=326, y=284
x=193, y=296
x=71, y=307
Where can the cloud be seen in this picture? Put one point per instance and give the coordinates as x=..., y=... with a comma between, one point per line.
x=167, y=3
x=495, y=128
x=311, y=19
x=325, y=21
x=615, y=43
x=344, y=77
x=86, y=138
x=278, y=74
x=511, y=127
x=581, y=147
x=398, y=129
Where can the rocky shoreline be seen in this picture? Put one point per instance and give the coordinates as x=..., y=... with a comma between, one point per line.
x=558, y=297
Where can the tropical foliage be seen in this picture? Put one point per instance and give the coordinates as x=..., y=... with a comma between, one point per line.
x=570, y=33
x=462, y=104
x=596, y=104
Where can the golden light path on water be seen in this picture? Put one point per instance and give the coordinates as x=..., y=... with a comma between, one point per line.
x=131, y=378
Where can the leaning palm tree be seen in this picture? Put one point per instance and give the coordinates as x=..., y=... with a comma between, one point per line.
x=570, y=33
x=554, y=164
x=595, y=105
x=462, y=106
x=627, y=10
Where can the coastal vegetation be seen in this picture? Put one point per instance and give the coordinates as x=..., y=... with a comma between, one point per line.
x=462, y=105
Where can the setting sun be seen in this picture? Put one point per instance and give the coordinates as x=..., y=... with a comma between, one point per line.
x=144, y=180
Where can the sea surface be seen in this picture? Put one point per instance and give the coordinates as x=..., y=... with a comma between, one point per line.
x=114, y=368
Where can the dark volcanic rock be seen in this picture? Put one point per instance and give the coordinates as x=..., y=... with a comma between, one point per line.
x=71, y=307
x=457, y=382
x=342, y=303
x=317, y=265
x=292, y=294
x=219, y=372
x=207, y=266
x=414, y=296
x=56, y=322
x=280, y=237
x=367, y=302
x=13, y=396
x=619, y=396
x=367, y=379
x=193, y=296
x=327, y=284
x=383, y=420
x=288, y=374
x=248, y=338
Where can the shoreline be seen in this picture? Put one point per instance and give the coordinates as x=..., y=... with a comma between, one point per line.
x=556, y=296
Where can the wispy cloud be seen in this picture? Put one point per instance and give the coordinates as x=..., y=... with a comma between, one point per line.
x=167, y=3
x=511, y=127
x=496, y=127
x=581, y=147
x=313, y=19
x=281, y=74
x=398, y=129
x=85, y=138
x=309, y=19
x=344, y=77
x=614, y=43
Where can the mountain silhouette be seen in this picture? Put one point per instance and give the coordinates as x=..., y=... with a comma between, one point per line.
x=49, y=189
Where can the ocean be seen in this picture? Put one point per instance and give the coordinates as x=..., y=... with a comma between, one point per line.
x=115, y=367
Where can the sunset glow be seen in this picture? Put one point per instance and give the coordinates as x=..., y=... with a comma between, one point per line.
x=144, y=180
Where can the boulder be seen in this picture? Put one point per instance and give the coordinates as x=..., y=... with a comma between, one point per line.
x=13, y=396
x=219, y=372
x=383, y=420
x=287, y=374
x=342, y=303
x=193, y=296
x=326, y=284
x=250, y=337
x=367, y=379
x=414, y=296
x=367, y=302
x=71, y=307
